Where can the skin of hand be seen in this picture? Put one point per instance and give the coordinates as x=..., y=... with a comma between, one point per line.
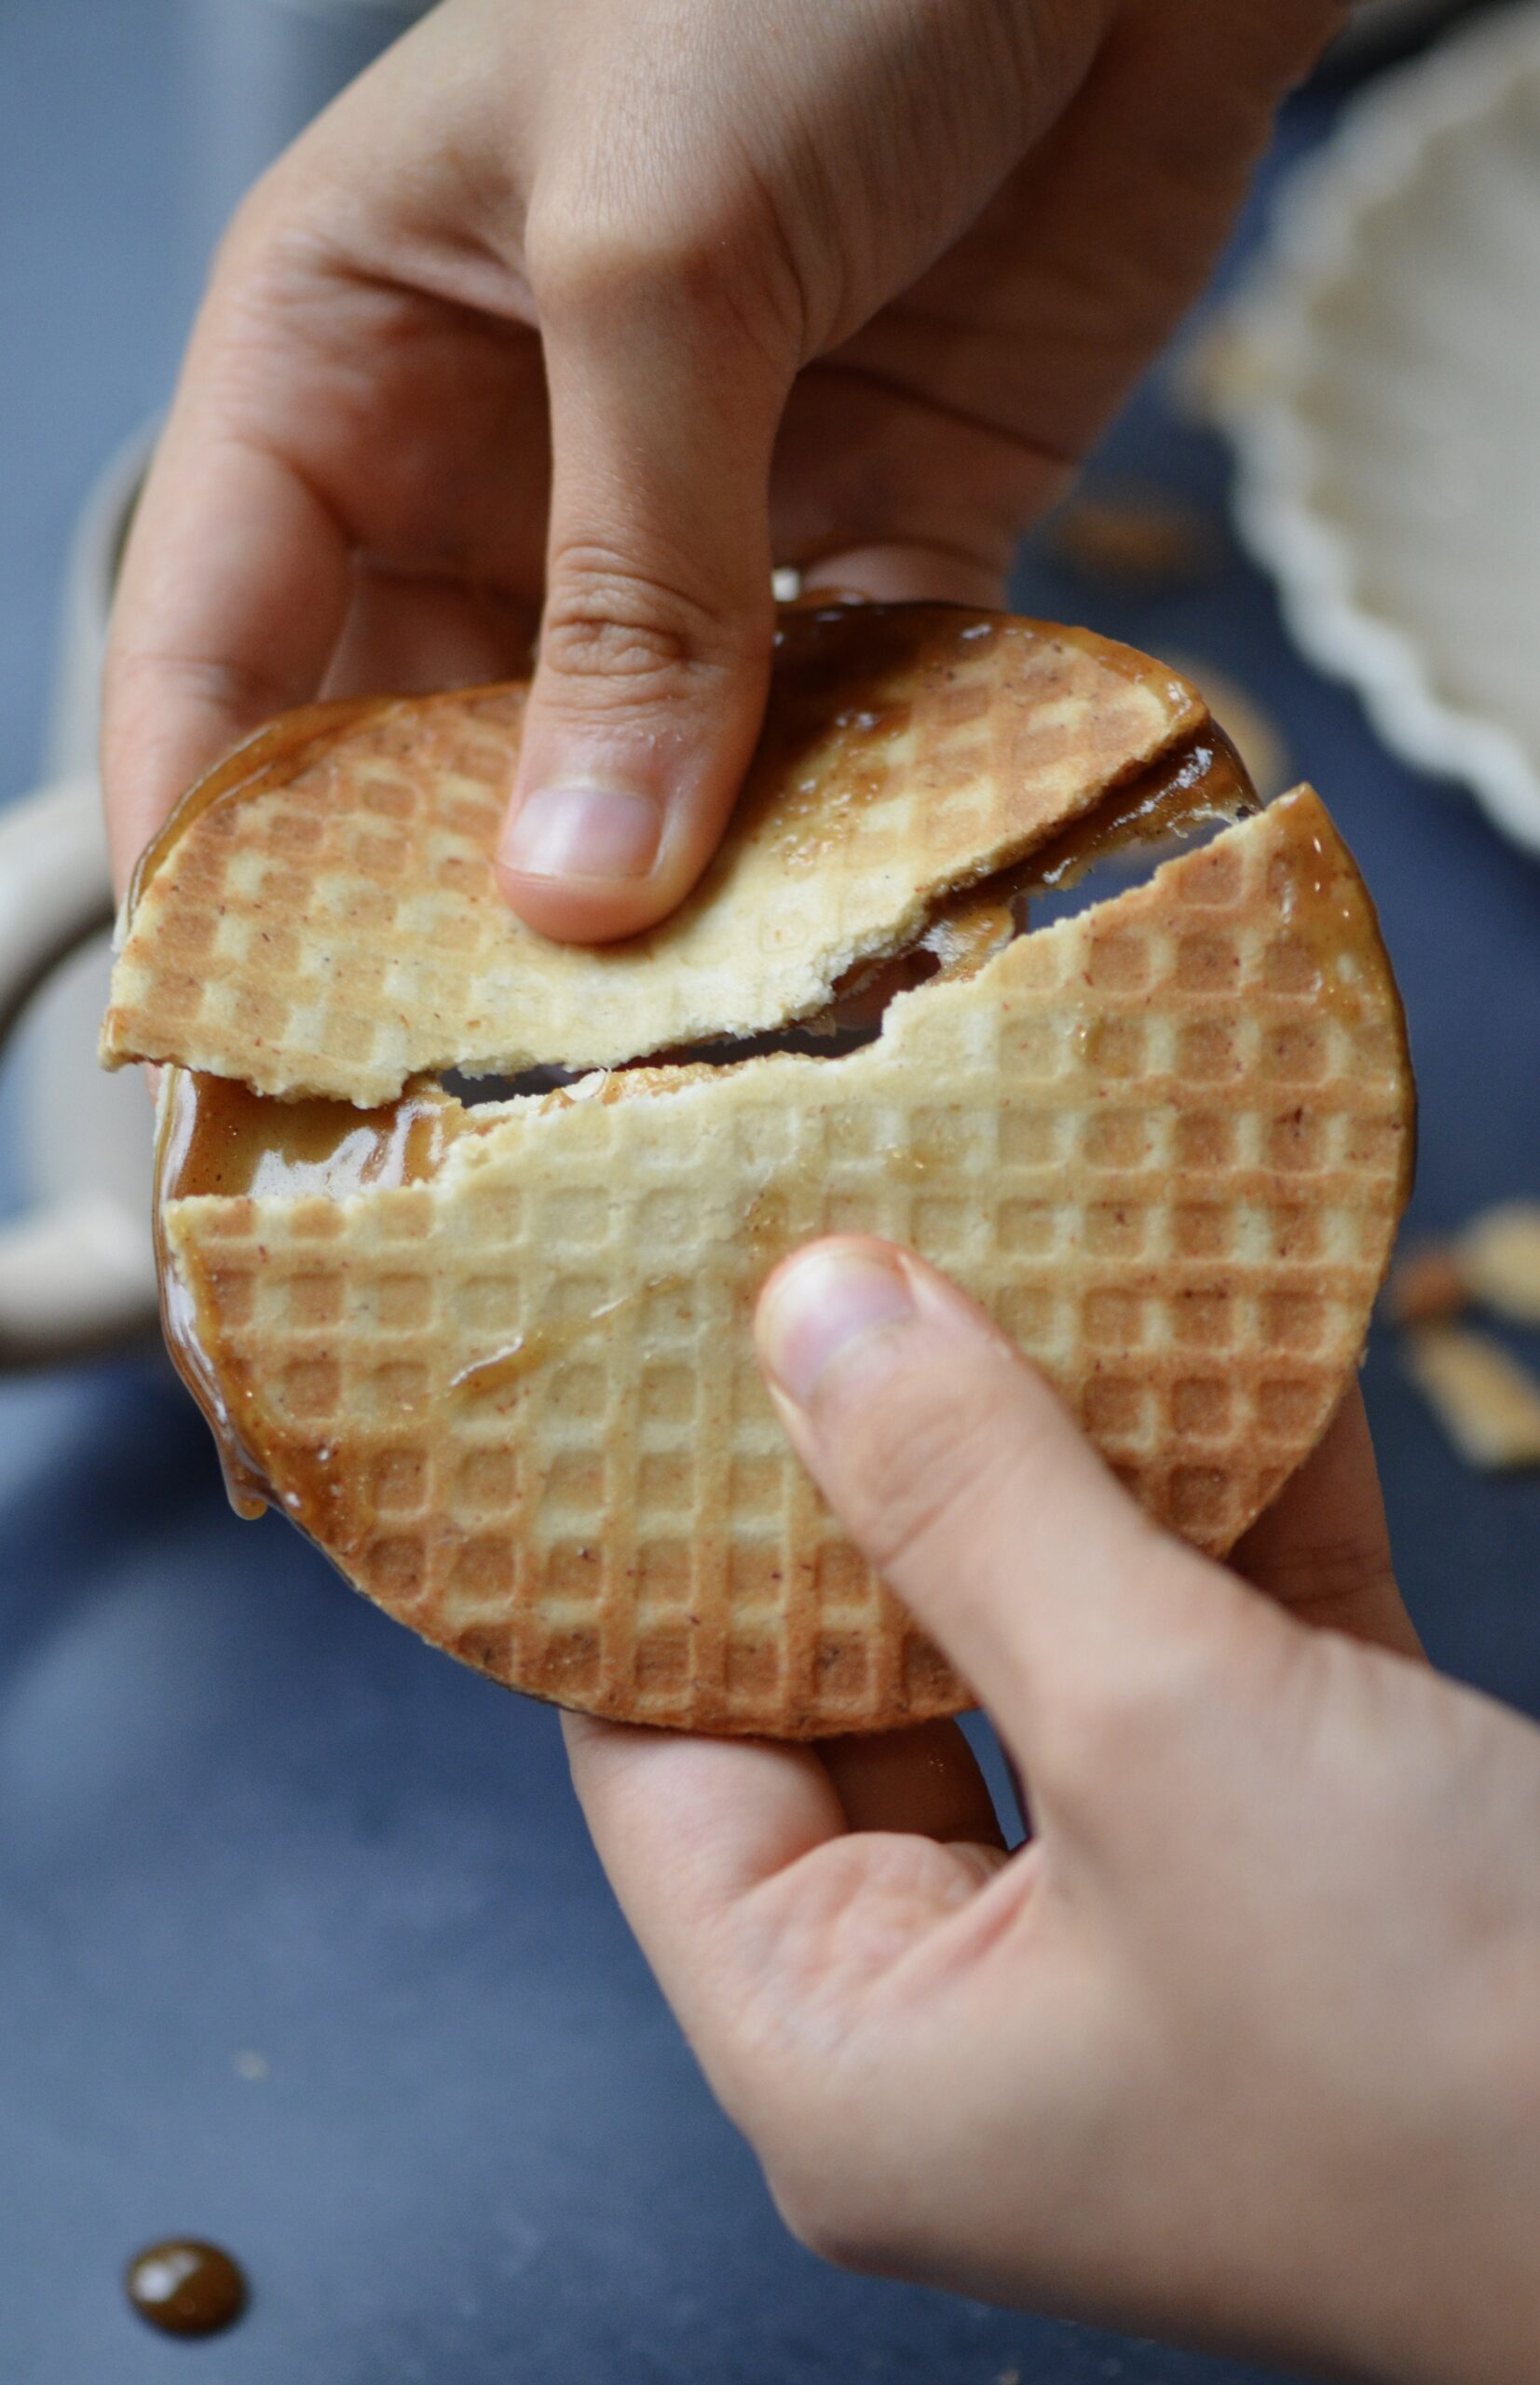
x=589, y=313
x=1242, y=2046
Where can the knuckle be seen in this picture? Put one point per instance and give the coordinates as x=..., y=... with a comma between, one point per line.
x=269, y=232
x=218, y=685
x=582, y=260
x=713, y=255
x=607, y=620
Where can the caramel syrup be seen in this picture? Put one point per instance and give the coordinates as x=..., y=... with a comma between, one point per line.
x=1199, y=782
x=216, y=1136
x=186, y=2288
x=539, y=1345
x=221, y=1138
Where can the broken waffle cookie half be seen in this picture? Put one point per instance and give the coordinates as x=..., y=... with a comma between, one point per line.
x=497, y=1359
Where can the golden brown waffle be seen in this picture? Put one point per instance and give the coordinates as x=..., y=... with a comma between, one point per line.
x=1166, y=1144
x=323, y=917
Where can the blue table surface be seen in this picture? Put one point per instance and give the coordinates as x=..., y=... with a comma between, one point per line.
x=301, y=1942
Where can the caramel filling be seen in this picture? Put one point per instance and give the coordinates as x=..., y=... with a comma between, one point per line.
x=1201, y=783
x=215, y=1136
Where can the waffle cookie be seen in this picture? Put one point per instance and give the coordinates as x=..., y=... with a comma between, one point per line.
x=1165, y=1143
x=321, y=917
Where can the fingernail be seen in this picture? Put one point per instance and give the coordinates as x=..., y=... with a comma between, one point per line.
x=819, y=1307
x=583, y=832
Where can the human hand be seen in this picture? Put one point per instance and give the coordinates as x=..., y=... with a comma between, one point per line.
x=605, y=306
x=1243, y=2046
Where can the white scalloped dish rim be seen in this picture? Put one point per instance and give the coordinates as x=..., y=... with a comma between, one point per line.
x=1277, y=346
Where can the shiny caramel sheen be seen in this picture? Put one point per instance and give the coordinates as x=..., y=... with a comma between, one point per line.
x=186, y=2287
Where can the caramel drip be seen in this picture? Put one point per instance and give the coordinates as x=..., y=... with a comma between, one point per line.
x=216, y=1136
x=186, y=2287
x=540, y=1345
x=246, y=1485
x=1319, y=918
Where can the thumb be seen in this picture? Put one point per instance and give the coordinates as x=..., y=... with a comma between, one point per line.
x=655, y=644
x=965, y=1481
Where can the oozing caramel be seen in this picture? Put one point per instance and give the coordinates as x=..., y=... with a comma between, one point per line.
x=220, y=1138
x=1200, y=782
x=216, y=1136
x=537, y=1347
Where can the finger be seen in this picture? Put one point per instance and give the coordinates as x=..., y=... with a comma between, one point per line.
x=234, y=587
x=965, y=1481
x=734, y=1858
x=655, y=643
x=1323, y=1551
x=878, y=489
x=686, y=1826
x=924, y=1782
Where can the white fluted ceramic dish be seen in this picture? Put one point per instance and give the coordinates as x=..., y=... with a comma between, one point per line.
x=1379, y=377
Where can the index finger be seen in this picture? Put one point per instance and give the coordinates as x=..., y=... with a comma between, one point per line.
x=1322, y=1549
x=233, y=593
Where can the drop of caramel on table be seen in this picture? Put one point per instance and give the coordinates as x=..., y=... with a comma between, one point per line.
x=186, y=2287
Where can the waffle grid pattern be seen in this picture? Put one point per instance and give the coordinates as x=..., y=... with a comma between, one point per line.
x=1164, y=1143
x=331, y=925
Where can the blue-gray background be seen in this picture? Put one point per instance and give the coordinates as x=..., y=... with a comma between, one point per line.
x=301, y=1944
